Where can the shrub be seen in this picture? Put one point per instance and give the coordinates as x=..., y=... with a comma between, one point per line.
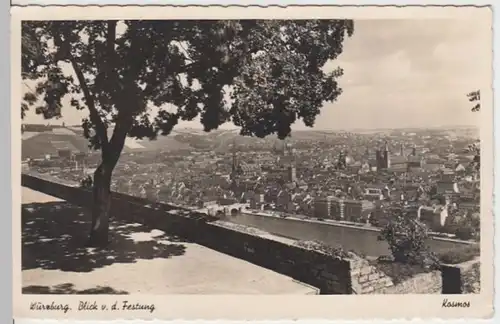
x=462, y=254
x=406, y=238
x=86, y=182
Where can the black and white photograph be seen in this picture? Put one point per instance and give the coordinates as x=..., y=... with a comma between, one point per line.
x=340, y=156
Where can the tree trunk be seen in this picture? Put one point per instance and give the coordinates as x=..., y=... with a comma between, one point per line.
x=101, y=206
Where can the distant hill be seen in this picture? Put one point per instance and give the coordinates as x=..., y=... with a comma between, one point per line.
x=39, y=140
x=40, y=127
x=162, y=143
x=38, y=144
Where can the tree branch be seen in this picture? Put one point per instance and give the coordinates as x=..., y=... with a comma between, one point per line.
x=94, y=114
x=124, y=118
x=110, y=59
x=117, y=141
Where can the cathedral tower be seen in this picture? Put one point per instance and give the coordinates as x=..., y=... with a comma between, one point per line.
x=387, y=157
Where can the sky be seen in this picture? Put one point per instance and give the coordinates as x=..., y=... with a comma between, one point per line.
x=397, y=73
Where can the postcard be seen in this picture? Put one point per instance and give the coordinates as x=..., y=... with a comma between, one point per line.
x=246, y=163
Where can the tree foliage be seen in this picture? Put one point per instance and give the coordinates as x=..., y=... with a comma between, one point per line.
x=475, y=98
x=123, y=68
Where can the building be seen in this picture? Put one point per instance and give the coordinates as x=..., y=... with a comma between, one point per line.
x=387, y=157
x=383, y=158
x=342, y=161
x=332, y=207
x=79, y=159
x=447, y=174
x=257, y=201
x=447, y=187
x=385, y=161
x=206, y=201
x=249, y=169
x=352, y=210
x=468, y=202
x=372, y=194
x=404, y=162
x=337, y=208
x=241, y=169
x=64, y=153
x=414, y=162
x=413, y=191
x=322, y=207
x=433, y=216
x=283, y=198
x=259, y=198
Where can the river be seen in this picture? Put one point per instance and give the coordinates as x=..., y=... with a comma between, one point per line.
x=361, y=240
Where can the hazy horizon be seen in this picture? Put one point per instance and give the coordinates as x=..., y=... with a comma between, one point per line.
x=397, y=74
x=305, y=129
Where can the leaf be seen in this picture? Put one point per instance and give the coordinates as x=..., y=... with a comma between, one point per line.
x=475, y=96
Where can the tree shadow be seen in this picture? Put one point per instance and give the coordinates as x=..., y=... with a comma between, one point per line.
x=54, y=235
x=68, y=289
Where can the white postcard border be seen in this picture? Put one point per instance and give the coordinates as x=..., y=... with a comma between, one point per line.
x=263, y=307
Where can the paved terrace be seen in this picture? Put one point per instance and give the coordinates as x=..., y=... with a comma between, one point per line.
x=139, y=259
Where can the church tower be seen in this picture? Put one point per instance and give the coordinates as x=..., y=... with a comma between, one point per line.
x=341, y=162
x=292, y=169
x=387, y=157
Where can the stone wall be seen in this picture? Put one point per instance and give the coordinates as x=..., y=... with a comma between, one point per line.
x=471, y=277
x=330, y=274
x=462, y=278
x=422, y=283
x=367, y=279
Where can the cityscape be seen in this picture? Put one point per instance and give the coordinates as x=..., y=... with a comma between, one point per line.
x=347, y=177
